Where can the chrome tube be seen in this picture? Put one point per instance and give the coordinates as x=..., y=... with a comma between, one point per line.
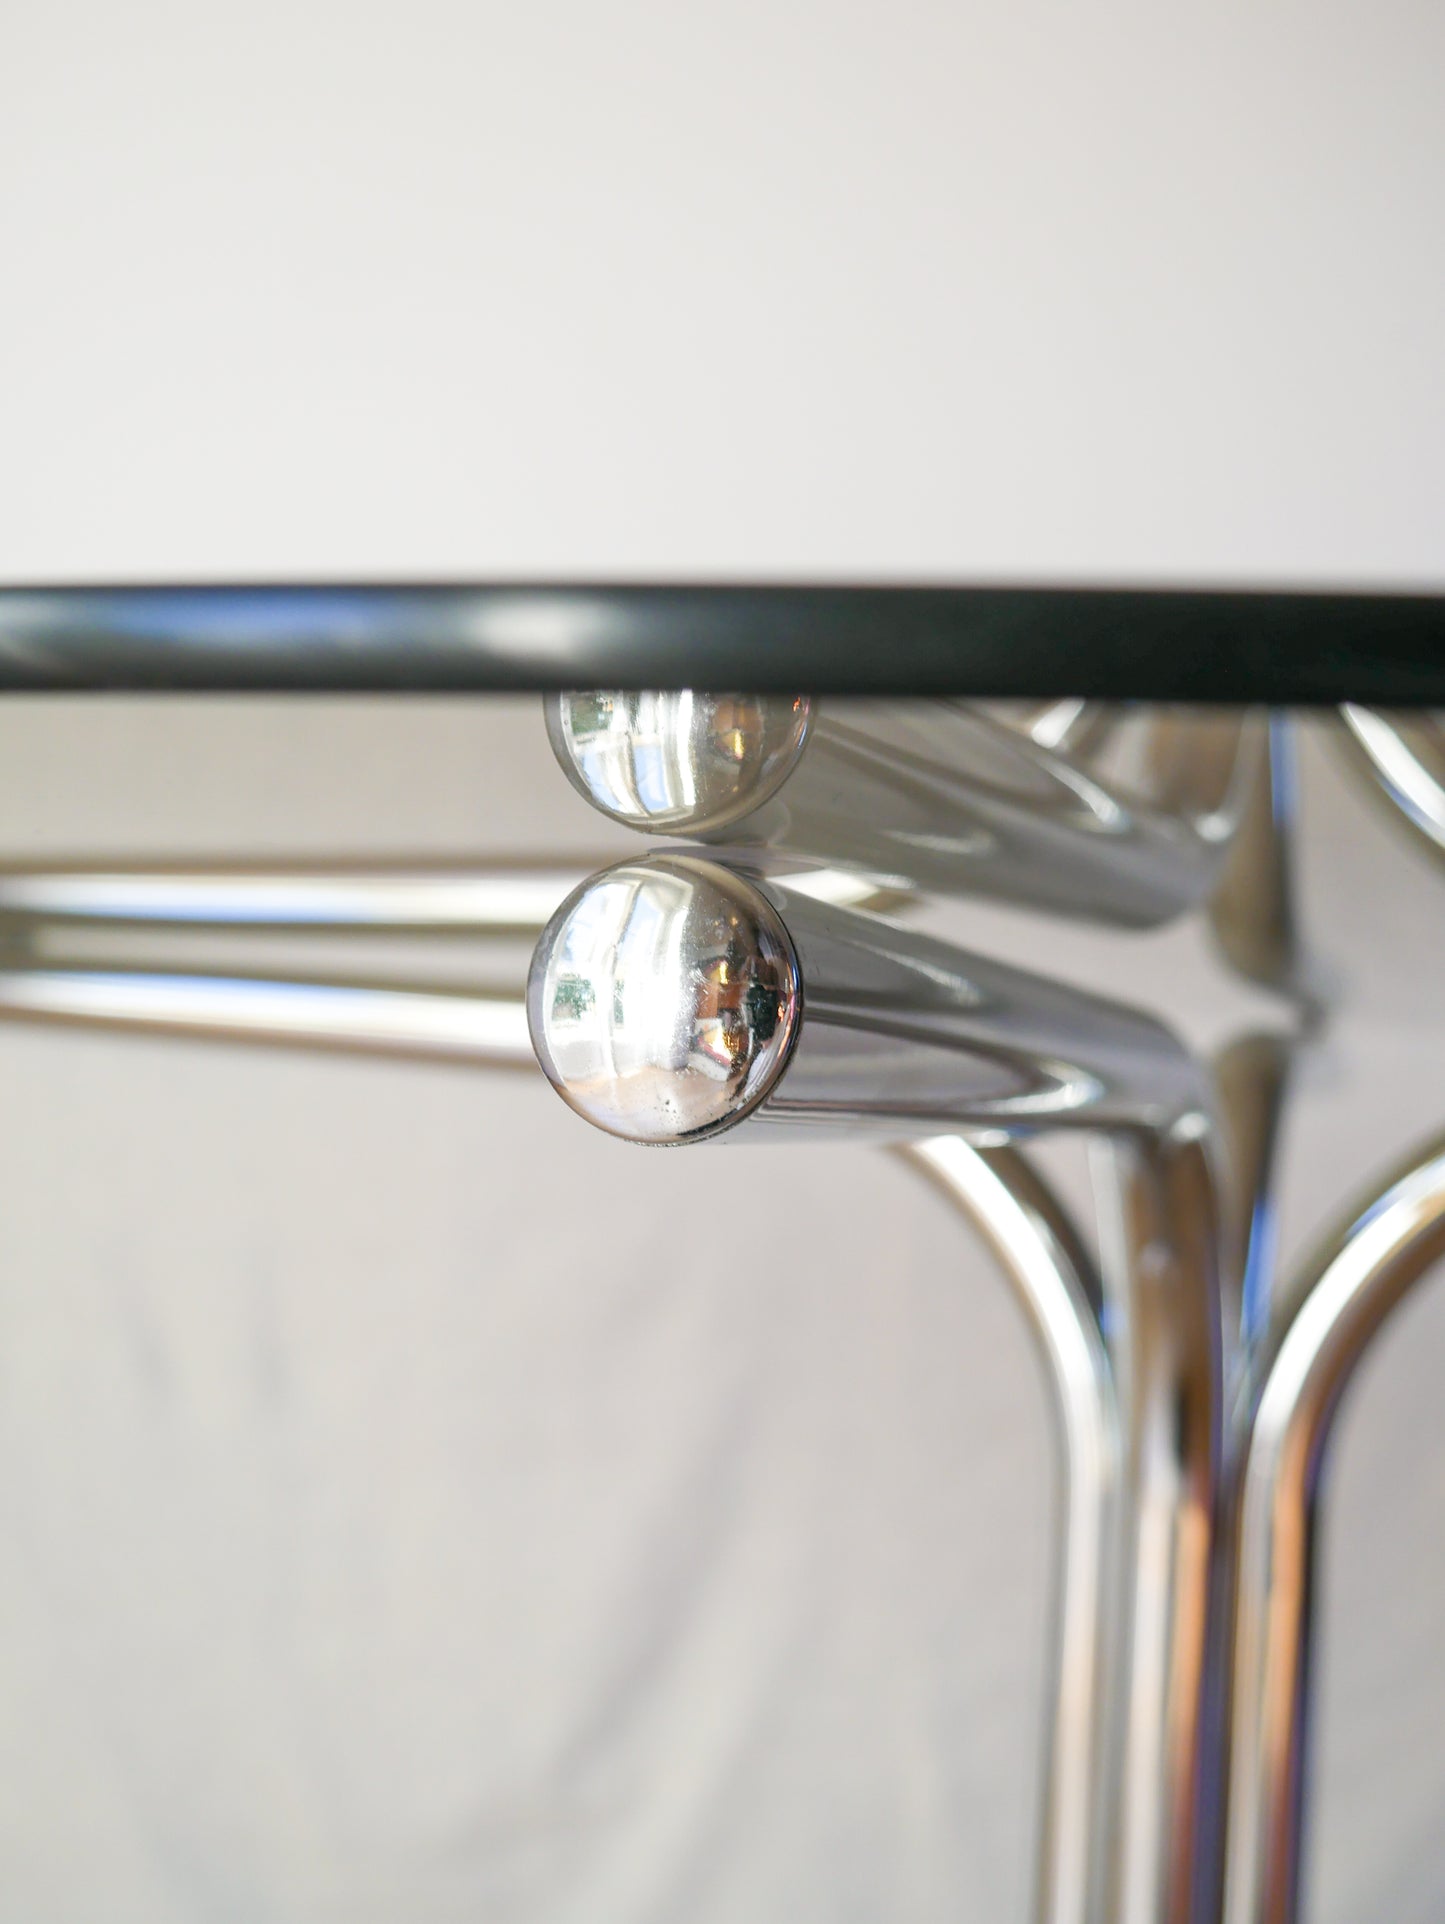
x=1182, y=1351
x=938, y=797
x=671, y=998
x=1159, y=1242
x=502, y=896
x=162, y=994
x=392, y=898
x=426, y=1024
x=1351, y=1286
x=1251, y=1086
x=1038, y=1252
x=1404, y=756
x=1252, y=911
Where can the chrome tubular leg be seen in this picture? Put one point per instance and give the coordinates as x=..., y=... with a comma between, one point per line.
x=1037, y=1251
x=1348, y=1291
x=1159, y=1224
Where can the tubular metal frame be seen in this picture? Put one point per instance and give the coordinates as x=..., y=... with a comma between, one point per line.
x=1193, y=1434
x=1103, y=1843
x=1023, y=1224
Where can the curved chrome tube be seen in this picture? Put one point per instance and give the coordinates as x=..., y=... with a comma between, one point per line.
x=671, y=998
x=1350, y=1288
x=1404, y=756
x=941, y=797
x=1037, y=1250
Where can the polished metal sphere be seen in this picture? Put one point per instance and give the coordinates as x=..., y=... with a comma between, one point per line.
x=680, y=763
x=664, y=999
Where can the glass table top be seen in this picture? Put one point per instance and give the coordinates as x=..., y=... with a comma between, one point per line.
x=1122, y=644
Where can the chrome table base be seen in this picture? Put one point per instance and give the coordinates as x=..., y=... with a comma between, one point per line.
x=1193, y=1393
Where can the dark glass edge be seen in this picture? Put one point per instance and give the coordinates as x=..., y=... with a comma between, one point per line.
x=1297, y=647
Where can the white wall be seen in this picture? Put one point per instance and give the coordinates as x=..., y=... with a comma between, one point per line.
x=789, y=288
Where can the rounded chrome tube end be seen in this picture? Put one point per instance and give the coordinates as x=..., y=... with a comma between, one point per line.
x=664, y=999
x=680, y=763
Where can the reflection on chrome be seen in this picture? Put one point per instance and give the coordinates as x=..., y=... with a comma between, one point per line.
x=1072, y=726
x=939, y=796
x=865, y=1026
x=1343, y=1298
x=664, y=1000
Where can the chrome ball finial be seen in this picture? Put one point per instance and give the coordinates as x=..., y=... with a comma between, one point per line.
x=664, y=999
x=679, y=763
